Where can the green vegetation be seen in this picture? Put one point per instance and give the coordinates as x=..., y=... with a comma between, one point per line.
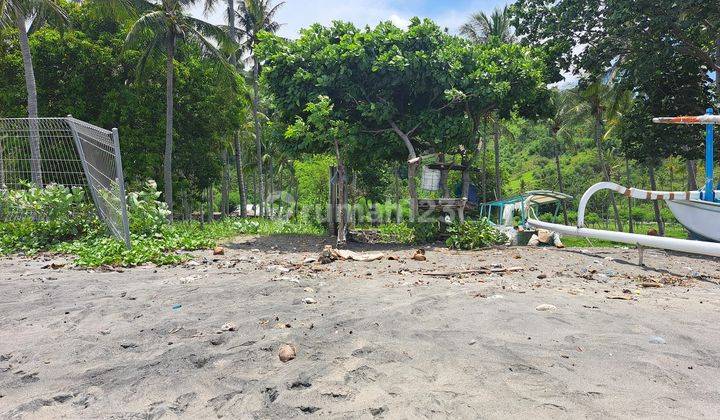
x=59, y=219
x=377, y=102
x=409, y=233
x=474, y=234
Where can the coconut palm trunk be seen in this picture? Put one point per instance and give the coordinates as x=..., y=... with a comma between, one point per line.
x=604, y=167
x=167, y=158
x=628, y=175
x=258, y=133
x=341, y=237
x=691, y=175
x=32, y=106
x=656, y=204
x=561, y=187
x=242, y=189
x=232, y=32
x=225, y=186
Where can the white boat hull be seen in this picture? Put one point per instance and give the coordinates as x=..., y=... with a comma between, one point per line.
x=700, y=217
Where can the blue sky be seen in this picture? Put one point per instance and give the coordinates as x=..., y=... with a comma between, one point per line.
x=296, y=14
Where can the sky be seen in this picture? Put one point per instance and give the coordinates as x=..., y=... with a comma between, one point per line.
x=297, y=14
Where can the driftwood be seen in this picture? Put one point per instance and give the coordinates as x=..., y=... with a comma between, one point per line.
x=481, y=270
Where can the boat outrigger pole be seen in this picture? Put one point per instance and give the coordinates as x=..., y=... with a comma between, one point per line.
x=698, y=211
x=709, y=120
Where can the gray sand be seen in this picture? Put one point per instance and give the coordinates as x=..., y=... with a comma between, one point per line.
x=381, y=340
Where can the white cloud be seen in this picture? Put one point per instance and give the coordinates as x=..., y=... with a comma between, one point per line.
x=297, y=14
x=400, y=22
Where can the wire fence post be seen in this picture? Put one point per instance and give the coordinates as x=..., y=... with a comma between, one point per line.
x=121, y=185
x=74, y=155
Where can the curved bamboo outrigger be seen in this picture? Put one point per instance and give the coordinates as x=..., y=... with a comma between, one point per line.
x=698, y=211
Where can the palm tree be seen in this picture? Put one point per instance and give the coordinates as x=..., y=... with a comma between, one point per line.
x=16, y=13
x=253, y=17
x=604, y=102
x=481, y=27
x=161, y=24
x=567, y=113
x=232, y=53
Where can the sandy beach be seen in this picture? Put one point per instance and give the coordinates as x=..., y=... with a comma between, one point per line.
x=496, y=333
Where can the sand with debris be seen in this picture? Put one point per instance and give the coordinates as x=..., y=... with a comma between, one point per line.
x=494, y=333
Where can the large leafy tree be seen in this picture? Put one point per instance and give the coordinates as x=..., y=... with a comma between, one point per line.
x=254, y=17
x=389, y=81
x=322, y=131
x=496, y=80
x=583, y=40
x=655, y=49
x=16, y=13
x=160, y=26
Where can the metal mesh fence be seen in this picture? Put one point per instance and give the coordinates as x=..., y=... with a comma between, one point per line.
x=68, y=152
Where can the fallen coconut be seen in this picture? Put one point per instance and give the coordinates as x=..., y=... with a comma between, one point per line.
x=287, y=352
x=229, y=326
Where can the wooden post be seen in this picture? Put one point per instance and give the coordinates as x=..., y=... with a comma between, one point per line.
x=332, y=205
x=443, y=176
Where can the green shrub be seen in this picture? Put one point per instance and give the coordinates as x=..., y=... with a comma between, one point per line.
x=396, y=233
x=146, y=212
x=409, y=233
x=474, y=234
x=40, y=217
x=60, y=219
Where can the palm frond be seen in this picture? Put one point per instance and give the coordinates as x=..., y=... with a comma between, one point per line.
x=152, y=47
x=123, y=9
x=152, y=21
x=481, y=27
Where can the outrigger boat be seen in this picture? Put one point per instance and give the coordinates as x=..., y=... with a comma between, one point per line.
x=698, y=211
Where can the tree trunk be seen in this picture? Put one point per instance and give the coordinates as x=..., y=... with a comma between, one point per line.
x=445, y=191
x=341, y=237
x=255, y=204
x=631, y=225
x=413, y=163
x=211, y=203
x=353, y=201
x=692, y=175
x=258, y=135
x=32, y=106
x=483, y=177
x=232, y=32
x=496, y=145
x=559, y=173
x=225, y=186
x=242, y=190
x=167, y=158
x=2, y=171
x=717, y=60
x=398, y=210
x=604, y=168
x=295, y=187
x=271, y=188
x=656, y=205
